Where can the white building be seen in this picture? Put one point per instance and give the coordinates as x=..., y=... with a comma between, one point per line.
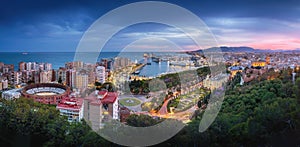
x=48, y=66
x=11, y=94
x=72, y=108
x=31, y=66
x=41, y=66
x=100, y=74
x=28, y=66
x=16, y=78
x=71, y=78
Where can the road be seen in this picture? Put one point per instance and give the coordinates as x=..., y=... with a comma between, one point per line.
x=164, y=109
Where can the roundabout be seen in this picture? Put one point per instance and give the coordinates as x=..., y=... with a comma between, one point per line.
x=130, y=102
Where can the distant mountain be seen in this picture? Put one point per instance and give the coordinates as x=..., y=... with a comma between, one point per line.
x=228, y=49
x=244, y=49
x=237, y=49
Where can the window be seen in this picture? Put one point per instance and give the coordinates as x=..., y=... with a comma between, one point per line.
x=105, y=106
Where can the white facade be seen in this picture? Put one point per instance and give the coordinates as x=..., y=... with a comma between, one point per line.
x=116, y=109
x=71, y=78
x=28, y=66
x=74, y=115
x=48, y=66
x=72, y=108
x=41, y=66
x=11, y=94
x=100, y=74
x=31, y=66
x=16, y=78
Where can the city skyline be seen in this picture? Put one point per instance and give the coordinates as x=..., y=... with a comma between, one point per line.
x=58, y=26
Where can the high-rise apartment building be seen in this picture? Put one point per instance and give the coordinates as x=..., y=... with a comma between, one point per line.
x=100, y=74
x=71, y=77
x=81, y=81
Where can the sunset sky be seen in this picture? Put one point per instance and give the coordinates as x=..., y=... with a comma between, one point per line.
x=56, y=25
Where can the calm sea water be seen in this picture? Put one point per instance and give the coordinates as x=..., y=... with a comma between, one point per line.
x=58, y=59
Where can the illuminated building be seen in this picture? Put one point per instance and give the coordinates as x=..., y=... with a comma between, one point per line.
x=260, y=63
x=235, y=69
x=100, y=107
x=268, y=59
x=72, y=108
x=100, y=74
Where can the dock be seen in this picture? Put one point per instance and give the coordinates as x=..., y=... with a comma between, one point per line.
x=137, y=67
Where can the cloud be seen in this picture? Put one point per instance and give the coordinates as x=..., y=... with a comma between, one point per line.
x=60, y=24
x=255, y=31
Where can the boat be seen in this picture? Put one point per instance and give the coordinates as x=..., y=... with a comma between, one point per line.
x=137, y=72
x=156, y=59
x=148, y=63
x=164, y=59
x=145, y=55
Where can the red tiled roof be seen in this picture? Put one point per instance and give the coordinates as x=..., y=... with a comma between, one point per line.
x=109, y=98
x=70, y=104
x=102, y=92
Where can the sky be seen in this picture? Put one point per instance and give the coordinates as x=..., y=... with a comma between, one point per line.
x=58, y=25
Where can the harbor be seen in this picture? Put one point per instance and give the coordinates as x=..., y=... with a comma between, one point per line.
x=155, y=65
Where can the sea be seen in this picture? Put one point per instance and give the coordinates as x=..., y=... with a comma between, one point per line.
x=58, y=59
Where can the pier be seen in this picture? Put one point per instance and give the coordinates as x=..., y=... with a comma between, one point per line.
x=137, y=68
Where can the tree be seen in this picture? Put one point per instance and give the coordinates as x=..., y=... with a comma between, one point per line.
x=297, y=89
x=26, y=121
x=141, y=120
x=30, y=82
x=98, y=84
x=285, y=76
x=199, y=104
x=59, y=80
x=109, y=86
